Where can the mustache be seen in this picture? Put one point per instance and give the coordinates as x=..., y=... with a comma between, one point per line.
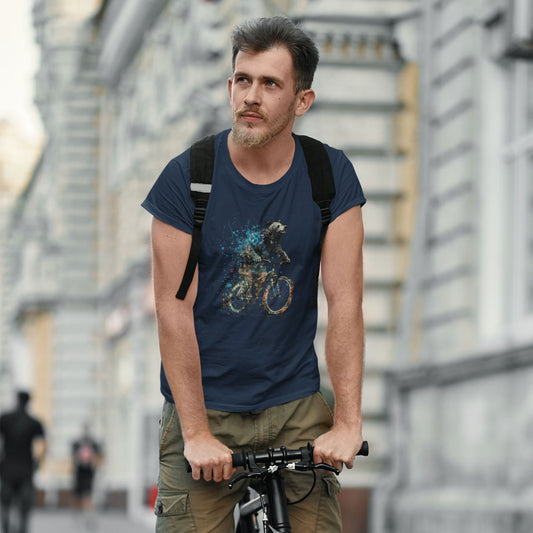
x=250, y=109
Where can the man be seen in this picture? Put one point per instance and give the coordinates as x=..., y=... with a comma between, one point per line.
x=86, y=458
x=24, y=448
x=245, y=377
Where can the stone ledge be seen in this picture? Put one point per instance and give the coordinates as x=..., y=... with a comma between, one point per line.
x=463, y=499
x=470, y=367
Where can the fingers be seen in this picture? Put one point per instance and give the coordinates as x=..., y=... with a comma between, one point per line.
x=223, y=471
x=337, y=452
x=196, y=473
x=215, y=470
x=227, y=471
x=329, y=458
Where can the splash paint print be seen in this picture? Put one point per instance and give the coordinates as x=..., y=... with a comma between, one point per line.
x=254, y=280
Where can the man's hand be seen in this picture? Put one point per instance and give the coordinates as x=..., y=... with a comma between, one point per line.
x=337, y=447
x=209, y=458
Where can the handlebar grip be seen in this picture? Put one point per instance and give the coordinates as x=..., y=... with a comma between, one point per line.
x=238, y=459
x=364, y=448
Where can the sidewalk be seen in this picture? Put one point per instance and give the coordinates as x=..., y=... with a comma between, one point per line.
x=65, y=521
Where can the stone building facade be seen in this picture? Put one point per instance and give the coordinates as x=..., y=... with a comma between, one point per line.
x=460, y=396
x=18, y=156
x=125, y=86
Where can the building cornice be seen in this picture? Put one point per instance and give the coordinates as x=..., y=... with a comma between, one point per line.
x=363, y=11
x=474, y=366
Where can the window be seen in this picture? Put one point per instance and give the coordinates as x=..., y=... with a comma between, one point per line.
x=518, y=153
x=505, y=306
x=529, y=235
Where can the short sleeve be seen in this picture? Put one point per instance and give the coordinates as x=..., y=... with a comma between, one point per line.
x=169, y=199
x=348, y=190
x=39, y=430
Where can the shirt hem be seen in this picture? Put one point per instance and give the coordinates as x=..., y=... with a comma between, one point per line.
x=359, y=201
x=165, y=218
x=229, y=408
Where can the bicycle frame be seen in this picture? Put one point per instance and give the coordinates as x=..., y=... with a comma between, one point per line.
x=275, y=501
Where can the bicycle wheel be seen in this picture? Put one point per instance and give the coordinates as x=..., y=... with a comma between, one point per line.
x=239, y=297
x=278, y=295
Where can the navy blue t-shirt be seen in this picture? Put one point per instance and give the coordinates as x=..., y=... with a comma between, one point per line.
x=254, y=318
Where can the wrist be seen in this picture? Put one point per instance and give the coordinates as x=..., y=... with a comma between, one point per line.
x=196, y=433
x=351, y=425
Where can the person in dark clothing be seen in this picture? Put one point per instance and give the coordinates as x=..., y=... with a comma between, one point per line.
x=86, y=457
x=24, y=447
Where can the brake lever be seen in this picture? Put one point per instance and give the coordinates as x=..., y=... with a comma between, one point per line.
x=325, y=466
x=244, y=475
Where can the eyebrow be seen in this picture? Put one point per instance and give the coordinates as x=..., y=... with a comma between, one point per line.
x=241, y=74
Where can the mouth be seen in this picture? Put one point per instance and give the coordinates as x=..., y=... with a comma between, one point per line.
x=250, y=116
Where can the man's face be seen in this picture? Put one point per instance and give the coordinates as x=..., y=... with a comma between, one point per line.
x=262, y=96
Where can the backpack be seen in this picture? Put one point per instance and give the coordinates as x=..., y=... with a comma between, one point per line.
x=202, y=166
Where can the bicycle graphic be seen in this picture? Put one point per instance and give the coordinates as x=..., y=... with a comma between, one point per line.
x=275, y=291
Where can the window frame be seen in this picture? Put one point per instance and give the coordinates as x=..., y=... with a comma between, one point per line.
x=517, y=152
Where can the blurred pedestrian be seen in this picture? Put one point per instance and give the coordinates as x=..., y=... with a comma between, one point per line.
x=87, y=457
x=24, y=447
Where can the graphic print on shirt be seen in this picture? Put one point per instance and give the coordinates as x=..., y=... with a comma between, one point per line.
x=257, y=257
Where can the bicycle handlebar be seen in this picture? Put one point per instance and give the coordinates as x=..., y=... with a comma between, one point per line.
x=276, y=456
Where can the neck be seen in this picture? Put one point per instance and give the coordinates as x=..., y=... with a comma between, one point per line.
x=263, y=164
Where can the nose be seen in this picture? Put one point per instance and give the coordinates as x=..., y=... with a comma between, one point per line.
x=253, y=96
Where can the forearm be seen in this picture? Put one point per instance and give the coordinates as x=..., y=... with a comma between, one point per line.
x=39, y=449
x=180, y=354
x=181, y=362
x=345, y=359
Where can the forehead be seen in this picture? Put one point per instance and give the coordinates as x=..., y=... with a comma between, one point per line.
x=274, y=62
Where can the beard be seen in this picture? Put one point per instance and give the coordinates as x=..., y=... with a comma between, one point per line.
x=250, y=136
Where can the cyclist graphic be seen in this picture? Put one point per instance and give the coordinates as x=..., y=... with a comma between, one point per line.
x=257, y=273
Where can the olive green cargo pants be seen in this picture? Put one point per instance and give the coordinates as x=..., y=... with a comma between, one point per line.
x=186, y=506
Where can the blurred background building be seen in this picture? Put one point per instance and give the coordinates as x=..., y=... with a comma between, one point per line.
x=463, y=413
x=431, y=100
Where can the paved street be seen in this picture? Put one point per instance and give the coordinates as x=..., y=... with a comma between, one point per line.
x=64, y=521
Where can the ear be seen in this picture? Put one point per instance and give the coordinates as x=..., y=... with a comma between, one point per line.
x=230, y=86
x=305, y=99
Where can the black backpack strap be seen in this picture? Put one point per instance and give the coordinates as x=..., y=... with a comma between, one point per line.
x=322, y=184
x=202, y=165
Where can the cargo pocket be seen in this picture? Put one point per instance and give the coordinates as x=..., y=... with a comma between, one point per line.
x=332, y=484
x=329, y=516
x=173, y=513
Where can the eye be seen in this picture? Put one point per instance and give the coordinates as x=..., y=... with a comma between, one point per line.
x=271, y=83
x=241, y=79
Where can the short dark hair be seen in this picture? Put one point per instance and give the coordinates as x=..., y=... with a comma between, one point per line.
x=261, y=34
x=23, y=397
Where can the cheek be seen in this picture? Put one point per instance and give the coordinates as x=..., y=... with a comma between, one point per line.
x=233, y=102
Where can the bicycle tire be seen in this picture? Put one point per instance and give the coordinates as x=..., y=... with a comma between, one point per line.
x=236, y=295
x=276, y=287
